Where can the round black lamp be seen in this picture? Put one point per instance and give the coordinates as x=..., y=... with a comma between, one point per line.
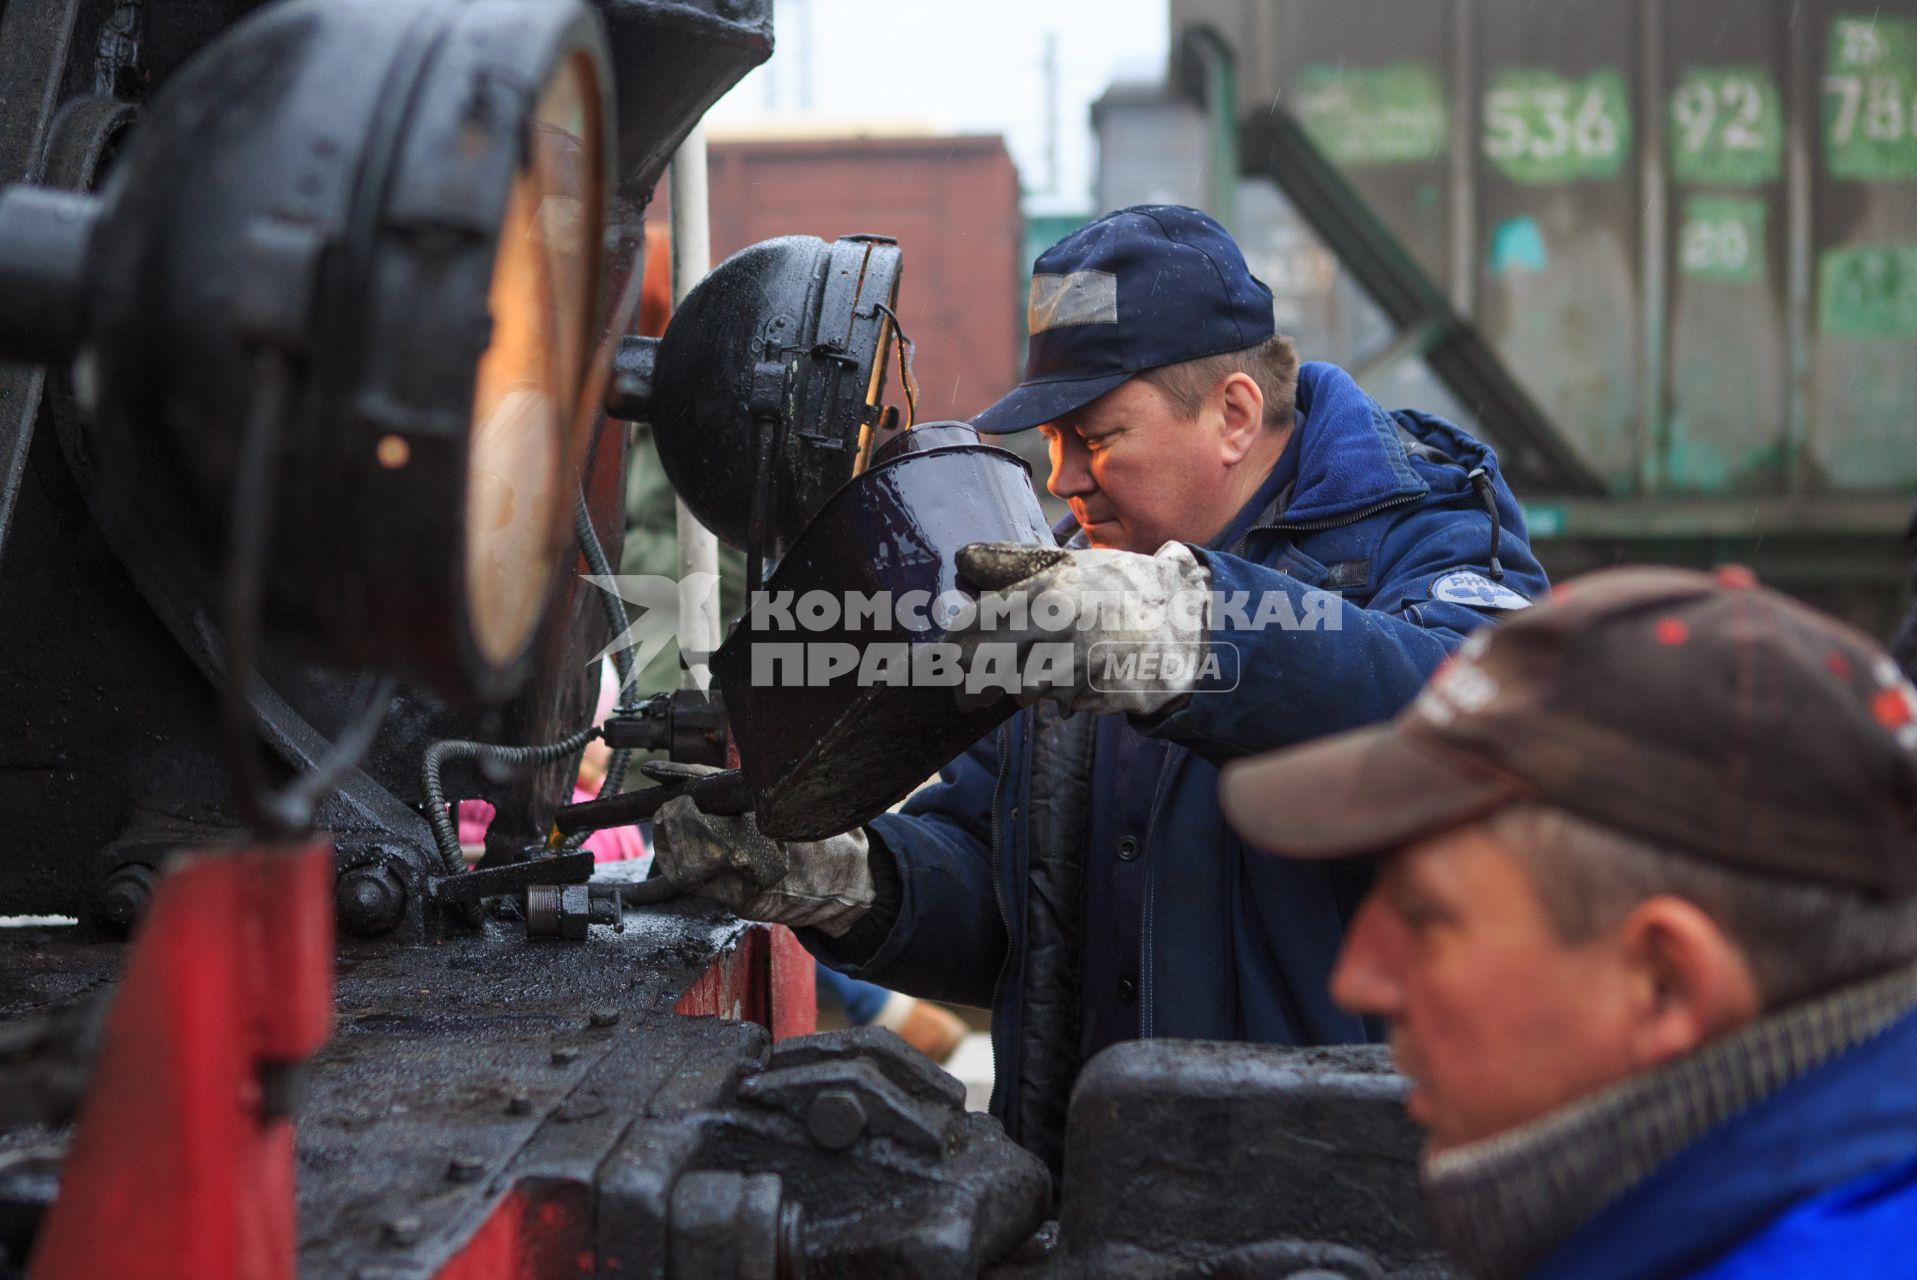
x=333, y=323
x=802, y=333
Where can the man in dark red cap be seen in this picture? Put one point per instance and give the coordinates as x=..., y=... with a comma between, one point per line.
x=1644, y=931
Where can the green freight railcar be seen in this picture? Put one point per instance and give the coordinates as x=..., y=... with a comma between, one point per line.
x=1689, y=231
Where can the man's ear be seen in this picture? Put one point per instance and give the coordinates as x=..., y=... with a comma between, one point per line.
x=1692, y=983
x=1241, y=409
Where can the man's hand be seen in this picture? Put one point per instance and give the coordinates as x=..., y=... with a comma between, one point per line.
x=822, y=884
x=1095, y=630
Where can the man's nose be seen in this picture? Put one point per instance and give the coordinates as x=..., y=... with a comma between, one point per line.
x=1071, y=477
x=1366, y=979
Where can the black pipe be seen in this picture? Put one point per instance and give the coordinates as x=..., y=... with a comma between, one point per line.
x=719, y=793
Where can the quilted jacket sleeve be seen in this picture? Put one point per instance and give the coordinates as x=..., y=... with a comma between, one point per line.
x=948, y=941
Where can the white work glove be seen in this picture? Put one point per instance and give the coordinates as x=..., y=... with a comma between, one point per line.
x=1095, y=630
x=819, y=884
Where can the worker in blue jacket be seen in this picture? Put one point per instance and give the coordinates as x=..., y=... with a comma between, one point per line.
x=1299, y=558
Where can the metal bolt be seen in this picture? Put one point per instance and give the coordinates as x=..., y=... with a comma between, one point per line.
x=124, y=896
x=542, y=910
x=564, y=1057
x=369, y=899
x=519, y=1105
x=402, y=1230
x=603, y=1017
x=465, y=1168
x=729, y=1224
x=568, y=911
x=835, y=1119
x=605, y=905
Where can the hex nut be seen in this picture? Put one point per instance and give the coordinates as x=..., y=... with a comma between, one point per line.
x=835, y=1119
x=124, y=896
x=369, y=899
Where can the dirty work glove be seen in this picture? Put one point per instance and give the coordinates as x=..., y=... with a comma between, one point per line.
x=1094, y=630
x=819, y=884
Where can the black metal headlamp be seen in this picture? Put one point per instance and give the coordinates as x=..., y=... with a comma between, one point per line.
x=335, y=313
x=803, y=332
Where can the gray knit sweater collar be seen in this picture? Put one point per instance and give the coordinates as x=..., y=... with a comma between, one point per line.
x=1501, y=1205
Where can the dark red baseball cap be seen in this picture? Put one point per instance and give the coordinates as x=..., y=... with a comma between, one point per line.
x=1701, y=713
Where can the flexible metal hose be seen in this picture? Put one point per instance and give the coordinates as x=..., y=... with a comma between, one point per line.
x=438, y=813
x=445, y=830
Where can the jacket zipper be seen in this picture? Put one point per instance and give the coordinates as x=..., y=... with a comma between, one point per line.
x=1146, y=984
x=1339, y=522
x=1145, y=1028
x=998, y=891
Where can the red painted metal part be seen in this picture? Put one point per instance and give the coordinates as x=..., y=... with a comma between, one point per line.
x=537, y=1230
x=177, y=1170
x=544, y=1231
x=768, y=979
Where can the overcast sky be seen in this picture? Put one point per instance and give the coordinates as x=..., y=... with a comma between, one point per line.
x=976, y=67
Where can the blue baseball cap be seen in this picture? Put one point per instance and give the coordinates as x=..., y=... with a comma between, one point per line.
x=1151, y=285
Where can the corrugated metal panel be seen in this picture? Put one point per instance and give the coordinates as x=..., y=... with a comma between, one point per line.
x=1863, y=205
x=1726, y=422
x=1368, y=80
x=1690, y=229
x=1557, y=211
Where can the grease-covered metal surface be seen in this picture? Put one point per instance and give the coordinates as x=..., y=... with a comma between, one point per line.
x=1255, y=1160
x=453, y=1065
x=490, y=1077
x=461, y=1072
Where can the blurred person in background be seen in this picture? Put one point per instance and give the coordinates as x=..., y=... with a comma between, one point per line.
x=934, y=1032
x=1645, y=932
x=614, y=844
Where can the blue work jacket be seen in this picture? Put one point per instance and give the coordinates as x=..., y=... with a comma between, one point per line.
x=1817, y=1179
x=1390, y=511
